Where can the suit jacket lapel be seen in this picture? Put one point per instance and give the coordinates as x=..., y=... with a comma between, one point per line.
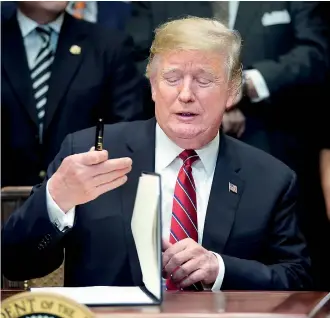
x=223, y=202
x=141, y=146
x=65, y=64
x=246, y=14
x=16, y=66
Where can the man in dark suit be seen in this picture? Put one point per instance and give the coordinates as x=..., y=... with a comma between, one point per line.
x=59, y=75
x=228, y=210
x=284, y=65
x=112, y=14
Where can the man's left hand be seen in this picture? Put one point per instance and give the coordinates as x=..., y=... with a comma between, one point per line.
x=187, y=262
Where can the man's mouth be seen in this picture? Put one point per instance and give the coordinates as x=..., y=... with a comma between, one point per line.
x=186, y=114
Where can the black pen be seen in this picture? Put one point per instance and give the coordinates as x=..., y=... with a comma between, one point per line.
x=99, y=135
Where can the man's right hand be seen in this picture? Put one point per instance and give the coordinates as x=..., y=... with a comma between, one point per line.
x=83, y=177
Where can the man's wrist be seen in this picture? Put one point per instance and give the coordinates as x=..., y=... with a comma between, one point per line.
x=58, y=195
x=250, y=90
x=221, y=273
x=214, y=271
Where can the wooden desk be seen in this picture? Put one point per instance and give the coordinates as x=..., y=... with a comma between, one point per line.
x=222, y=304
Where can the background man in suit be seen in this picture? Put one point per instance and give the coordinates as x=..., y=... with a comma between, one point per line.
x=113, y=14
x=59, y=75
x=228, y=209
x=325, y=175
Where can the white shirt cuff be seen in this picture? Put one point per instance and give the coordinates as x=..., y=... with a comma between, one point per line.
x=60, y=219
x=259, y=84
x=218, y=282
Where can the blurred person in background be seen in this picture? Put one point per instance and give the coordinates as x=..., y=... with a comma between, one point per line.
x=59, y=75
x=325, y=175
x=113, y=14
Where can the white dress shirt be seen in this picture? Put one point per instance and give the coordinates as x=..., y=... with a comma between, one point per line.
x=32, y=40
x=167, y=164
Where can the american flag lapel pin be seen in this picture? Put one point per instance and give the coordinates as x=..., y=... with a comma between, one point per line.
x=232, y=188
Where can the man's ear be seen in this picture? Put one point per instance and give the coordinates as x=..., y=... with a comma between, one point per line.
x=233, y=98
x=230, y=102
x=153, y=85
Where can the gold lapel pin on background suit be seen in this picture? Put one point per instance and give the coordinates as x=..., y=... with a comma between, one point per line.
x=75, y=49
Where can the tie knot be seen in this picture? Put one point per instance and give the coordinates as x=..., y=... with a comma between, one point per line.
x=44, y=31
x=188, y=157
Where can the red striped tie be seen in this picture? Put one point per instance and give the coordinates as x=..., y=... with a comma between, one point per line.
x=184, y=211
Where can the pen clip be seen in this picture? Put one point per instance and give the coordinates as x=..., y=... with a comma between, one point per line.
x=99, y=135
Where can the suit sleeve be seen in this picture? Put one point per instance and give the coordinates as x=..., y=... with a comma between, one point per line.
x=285, y=265
x=124, y=82
x=31, y=245
x=305, y=64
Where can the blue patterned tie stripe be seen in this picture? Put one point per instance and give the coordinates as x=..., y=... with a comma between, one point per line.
x=40, y=75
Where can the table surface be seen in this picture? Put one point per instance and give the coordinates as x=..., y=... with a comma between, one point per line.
x=219, y=304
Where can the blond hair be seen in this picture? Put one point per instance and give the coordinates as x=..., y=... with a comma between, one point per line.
x=193, y=33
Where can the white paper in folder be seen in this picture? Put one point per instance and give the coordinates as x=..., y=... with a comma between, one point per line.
x=146, y=229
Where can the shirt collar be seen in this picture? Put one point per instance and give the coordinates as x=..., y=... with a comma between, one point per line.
x=168, y=151
x=27, y=25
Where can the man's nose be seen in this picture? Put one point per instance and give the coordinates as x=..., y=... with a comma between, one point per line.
x=186, y=93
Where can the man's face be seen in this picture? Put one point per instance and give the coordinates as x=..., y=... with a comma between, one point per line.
x=191, y=92
x=49, y=6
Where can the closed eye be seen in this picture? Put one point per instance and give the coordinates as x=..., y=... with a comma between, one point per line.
x=172, y=80
x=203, y=81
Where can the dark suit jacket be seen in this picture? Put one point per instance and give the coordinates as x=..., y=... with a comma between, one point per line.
x=7, y=9
x=255, y=231
x=290, y=57
x=113, y=14
x=101, y=81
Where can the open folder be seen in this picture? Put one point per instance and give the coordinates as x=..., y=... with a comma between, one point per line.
x=146, y=229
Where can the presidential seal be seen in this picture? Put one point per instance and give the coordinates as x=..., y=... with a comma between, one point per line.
x=42, y=305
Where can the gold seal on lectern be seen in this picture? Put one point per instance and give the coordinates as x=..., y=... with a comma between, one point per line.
x=42, y=305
